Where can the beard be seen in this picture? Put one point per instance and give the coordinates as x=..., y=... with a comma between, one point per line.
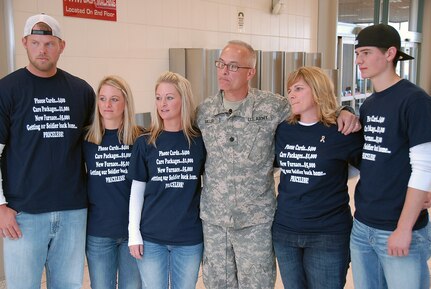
x=42, y=65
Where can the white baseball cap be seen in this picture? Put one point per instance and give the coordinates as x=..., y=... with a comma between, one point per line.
x=48, y=20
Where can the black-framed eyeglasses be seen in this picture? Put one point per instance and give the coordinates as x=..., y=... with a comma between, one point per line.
x=230, y=66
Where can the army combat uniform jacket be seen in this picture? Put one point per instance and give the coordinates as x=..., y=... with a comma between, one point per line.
x=238, y=188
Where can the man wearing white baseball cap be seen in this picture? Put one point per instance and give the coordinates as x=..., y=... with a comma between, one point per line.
x=54, y=26
x=43, y=200
x=390, y=242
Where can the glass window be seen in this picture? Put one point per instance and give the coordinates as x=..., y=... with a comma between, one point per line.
x=356, y=11
x=363, y=11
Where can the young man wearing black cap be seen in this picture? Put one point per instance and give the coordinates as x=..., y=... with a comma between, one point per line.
x=43, y=214
x=389, y=240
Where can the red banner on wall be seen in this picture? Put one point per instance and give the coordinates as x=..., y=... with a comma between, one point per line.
x=93, y=9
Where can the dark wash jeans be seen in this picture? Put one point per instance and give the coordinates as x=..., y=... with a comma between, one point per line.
x=312, y=261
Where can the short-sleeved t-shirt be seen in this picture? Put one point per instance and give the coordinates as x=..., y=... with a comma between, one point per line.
x=41, y=124
x=394, y=120
x=312, y=194
x=107, y=186
x=172, y=171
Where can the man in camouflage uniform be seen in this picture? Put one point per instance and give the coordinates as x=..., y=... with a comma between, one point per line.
x=238, y=198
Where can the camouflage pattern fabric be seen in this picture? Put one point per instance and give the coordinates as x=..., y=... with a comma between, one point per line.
x=238, y=189
x=250, y=246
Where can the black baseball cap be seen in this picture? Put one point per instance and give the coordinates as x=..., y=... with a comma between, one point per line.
x=382, y=36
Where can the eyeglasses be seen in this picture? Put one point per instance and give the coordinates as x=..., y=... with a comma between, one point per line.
x=230, y=66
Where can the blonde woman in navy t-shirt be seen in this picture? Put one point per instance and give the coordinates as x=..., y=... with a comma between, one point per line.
x=165, y=231
x=107, y=149
x=313, y=220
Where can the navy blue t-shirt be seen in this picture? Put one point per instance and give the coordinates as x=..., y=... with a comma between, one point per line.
x=312, y=194
x=107, y=186
x=394, y=120
x=41, y=124
x=172, y=171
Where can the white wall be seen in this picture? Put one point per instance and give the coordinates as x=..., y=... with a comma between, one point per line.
x=136, y=46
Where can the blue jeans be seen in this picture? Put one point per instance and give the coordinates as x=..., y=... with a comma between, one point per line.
x=373, y=268
x=162, y=265
x=54, y=240
x=106, y=256
x=312, y=261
